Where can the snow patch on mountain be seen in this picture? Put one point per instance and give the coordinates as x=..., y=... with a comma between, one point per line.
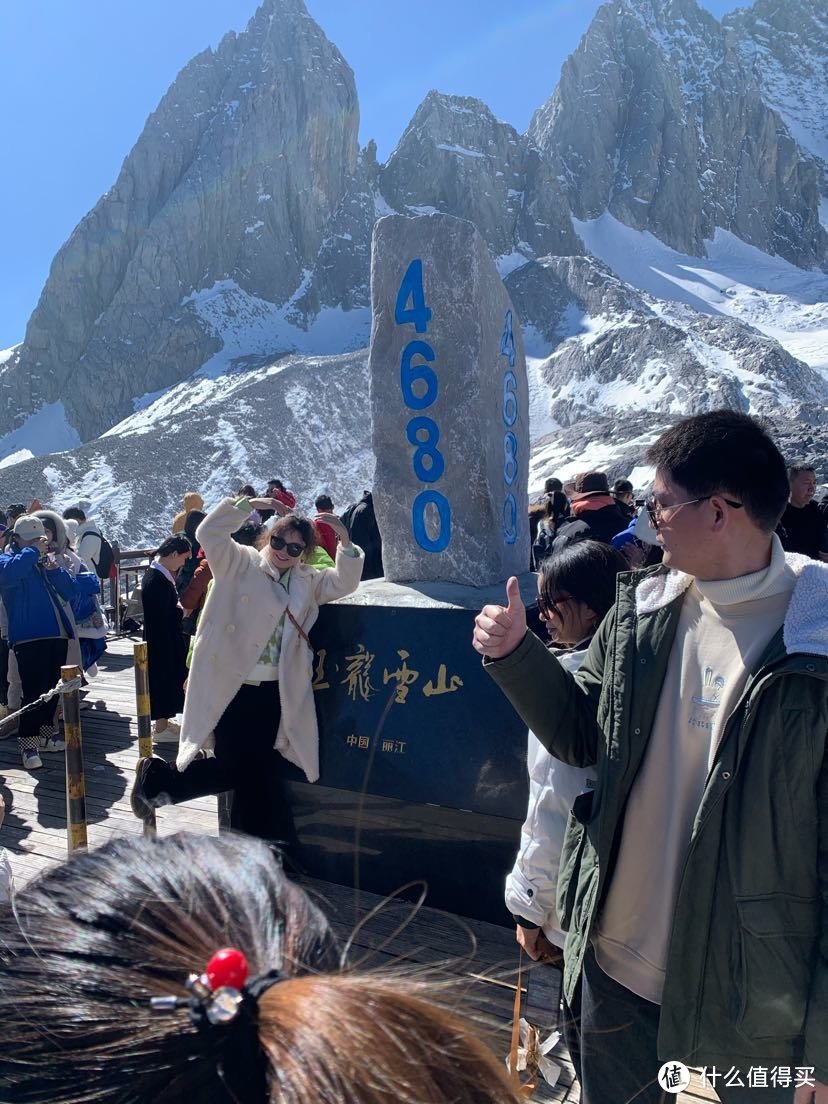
x=787, y=303
x=555, y=456
x=47, y=430
x=176, y=402
x=251, y=328
x=16, y=458
x=109, y=497
x=7, y=354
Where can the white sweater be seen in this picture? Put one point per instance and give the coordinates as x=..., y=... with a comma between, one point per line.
x=724, y=627
x=553, y=786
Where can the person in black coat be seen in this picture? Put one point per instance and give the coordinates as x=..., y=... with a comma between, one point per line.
x=595, y=513
x=166, y=647
x=361, y=523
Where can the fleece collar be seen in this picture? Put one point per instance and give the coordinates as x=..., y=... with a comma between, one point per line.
x=806, y=622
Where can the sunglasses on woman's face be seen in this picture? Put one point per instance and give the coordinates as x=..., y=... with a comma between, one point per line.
x=282, y=545
x=547, y=607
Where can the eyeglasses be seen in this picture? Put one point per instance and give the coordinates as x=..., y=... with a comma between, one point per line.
x=657, y=510
x=547, y=606
x=292, y=549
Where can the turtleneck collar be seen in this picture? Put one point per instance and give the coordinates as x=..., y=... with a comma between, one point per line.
x=776, y=578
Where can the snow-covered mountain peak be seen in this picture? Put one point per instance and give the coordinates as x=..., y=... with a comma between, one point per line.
x=785, y=46
x=221, y=286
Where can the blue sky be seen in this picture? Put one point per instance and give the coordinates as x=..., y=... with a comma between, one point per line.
x=78, y=80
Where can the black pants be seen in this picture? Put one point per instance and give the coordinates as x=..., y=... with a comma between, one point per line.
x=39, y=663
x=4, y=671
x=614, y=1032
x=246, y=762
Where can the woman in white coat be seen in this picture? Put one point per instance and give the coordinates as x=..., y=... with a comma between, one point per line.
x=576, y=588
x=251, y=671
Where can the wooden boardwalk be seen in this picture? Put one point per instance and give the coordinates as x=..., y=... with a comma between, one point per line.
x=481, y=958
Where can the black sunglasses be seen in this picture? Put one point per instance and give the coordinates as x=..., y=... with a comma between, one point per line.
x=279, y=543
x=547, y=606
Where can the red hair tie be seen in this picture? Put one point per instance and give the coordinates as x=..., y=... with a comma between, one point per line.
x=225, y=1010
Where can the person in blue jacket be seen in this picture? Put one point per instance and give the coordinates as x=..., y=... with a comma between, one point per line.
x=34, y=590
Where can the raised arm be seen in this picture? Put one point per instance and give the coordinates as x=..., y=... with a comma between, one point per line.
x=223, y=554
x=561, y=709
x=15, y=566
x=343, y=578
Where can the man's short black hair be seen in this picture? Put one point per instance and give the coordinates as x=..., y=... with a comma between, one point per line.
x=74, y=513
x=797, y=469
x=552, y=484
x=726, y=452
x=324, y=503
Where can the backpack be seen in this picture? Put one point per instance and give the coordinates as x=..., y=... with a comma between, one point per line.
x=106, y=560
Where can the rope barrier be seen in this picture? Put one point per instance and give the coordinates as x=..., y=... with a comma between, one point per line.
x=61, y=688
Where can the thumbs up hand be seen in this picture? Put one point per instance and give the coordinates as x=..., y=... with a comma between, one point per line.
x=499, y=629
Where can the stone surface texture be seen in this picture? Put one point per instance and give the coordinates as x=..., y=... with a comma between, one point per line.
x=468, y=306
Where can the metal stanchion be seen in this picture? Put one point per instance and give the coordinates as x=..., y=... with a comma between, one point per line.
x=142, y=699
x=115, y=588
x=75, y=786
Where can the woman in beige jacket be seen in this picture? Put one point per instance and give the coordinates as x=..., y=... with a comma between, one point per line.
x=251, y=671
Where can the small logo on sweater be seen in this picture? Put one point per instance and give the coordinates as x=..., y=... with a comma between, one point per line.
x=711, y=695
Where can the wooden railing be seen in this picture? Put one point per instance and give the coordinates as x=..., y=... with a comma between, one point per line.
x=130, y=565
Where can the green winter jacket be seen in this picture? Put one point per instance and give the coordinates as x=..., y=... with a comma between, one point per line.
x=747, y=968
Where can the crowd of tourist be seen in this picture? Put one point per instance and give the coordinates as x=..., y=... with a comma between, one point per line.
x=673, y=861
x=50, y=616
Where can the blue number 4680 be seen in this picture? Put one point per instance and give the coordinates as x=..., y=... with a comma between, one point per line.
x=411, y=288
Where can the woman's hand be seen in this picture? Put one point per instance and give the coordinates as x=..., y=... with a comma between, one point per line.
x=343, y=536
x=536, y=945
x=498, y=630
x=269, y=504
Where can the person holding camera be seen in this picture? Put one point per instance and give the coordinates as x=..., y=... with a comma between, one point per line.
x=34, y=590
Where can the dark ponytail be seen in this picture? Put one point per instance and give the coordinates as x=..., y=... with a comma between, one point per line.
x=91, y=941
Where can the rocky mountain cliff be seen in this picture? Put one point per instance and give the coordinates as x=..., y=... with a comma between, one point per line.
x=785, y=47
x=214, y=436
x=234, y=177
x=659, y=119
x=648, y=227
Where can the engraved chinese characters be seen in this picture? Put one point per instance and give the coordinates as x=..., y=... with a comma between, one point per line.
x=450, y=406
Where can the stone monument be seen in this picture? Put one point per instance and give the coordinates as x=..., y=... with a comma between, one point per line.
x=423, y=774
x=450, y=406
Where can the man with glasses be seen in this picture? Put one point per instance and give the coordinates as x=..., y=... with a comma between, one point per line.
x=694, y=877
